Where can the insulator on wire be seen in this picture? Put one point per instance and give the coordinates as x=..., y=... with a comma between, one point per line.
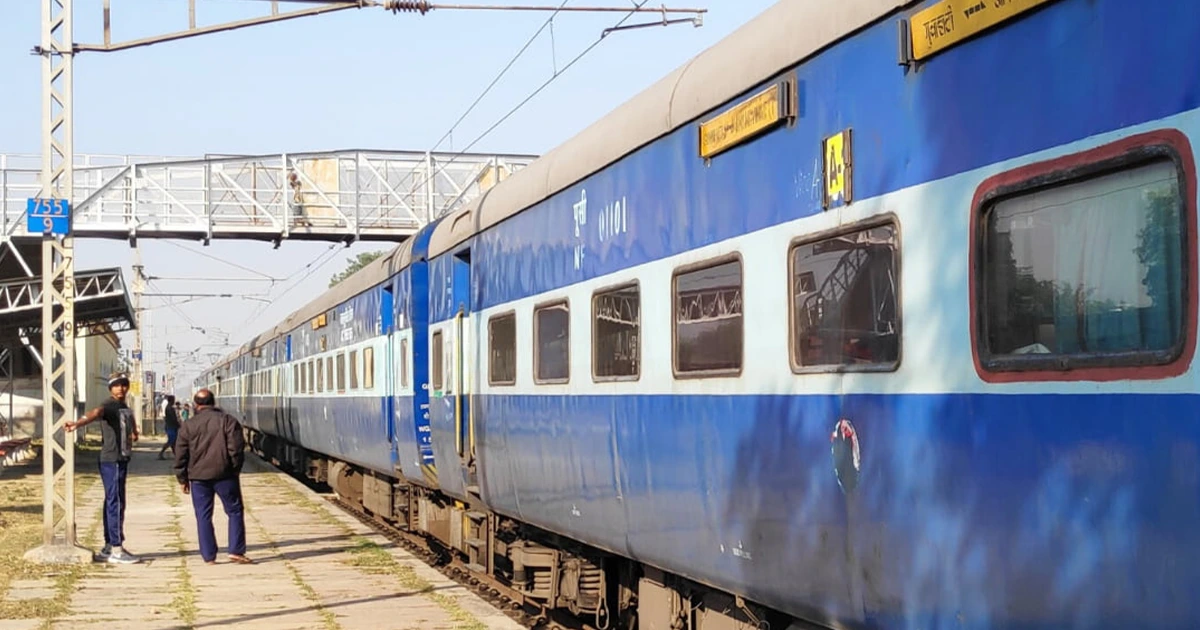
x=407, y=6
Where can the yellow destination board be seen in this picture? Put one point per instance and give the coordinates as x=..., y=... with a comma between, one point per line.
x=951, y=21
x=747, y=119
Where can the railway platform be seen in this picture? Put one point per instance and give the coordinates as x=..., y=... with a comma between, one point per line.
x=315, y=566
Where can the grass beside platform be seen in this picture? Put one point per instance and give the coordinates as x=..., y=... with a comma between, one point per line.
x=21, y=530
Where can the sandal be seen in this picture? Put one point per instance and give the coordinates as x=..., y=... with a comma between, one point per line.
x=236, y=559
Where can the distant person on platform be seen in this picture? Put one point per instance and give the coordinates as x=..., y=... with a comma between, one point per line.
x=209, y=455
x=118, y=432
x=171, y=424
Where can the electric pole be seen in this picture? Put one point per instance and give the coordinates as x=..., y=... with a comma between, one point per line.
x=137, y=386
x=58, y=289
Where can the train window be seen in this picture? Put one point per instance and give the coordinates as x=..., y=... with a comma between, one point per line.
x=708, y=318
x=1086, y=273
x=502, y=349
x=329, y=378
x=369, y=368
x=552, y=343
x=616, y=332
x=320, y=375
x=353, y=368
x=844, y=306
x=404, y=363
x=341, y=371
x=437, y=377
x=296, y=384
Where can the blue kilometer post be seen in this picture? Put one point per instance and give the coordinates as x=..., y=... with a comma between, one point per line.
x=48, y=216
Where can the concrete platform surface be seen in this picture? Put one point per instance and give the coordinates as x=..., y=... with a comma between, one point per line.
x=316, y=567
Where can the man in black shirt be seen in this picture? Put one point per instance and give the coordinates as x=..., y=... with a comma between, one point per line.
x=171, y=423
x=118, y=432
x=209, y=455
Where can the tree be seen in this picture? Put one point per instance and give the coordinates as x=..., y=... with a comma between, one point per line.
x=353, y=265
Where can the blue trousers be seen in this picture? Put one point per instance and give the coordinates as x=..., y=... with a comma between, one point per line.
x=230, y=492
x=113, y=475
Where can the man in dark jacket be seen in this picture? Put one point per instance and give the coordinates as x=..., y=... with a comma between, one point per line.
x=118, y=432
x=209, y=453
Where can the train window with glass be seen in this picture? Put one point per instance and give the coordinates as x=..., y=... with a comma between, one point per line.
x=329, y=374
x=321, y=375
x=1085, y=273
x=502, y=349
x=844, y=301
x=341, y=371
x=708, y=329
x=353, y=368
x=616, y=333
x=369, y=368
x=296, y=383
x=312, y=381
x=437, y=377
x=552, y=343
x=404, y=363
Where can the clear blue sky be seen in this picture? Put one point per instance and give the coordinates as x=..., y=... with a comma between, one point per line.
x=354, y=79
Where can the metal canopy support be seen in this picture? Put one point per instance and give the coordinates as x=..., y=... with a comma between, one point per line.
x=101, y=304
x=58, y=292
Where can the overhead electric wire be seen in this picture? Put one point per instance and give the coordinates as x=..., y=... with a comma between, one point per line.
x=222, y=261
x=312, y=268
x=207, y=279
x=638, y=4
x=297, y=272
x=503, y=72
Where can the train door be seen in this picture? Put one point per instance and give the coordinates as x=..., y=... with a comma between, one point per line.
x=420, y=362
x=288, y=386
x=387, y=318
x=460, y=380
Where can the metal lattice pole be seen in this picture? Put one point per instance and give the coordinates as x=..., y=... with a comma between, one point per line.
x=138, y=390
x=58, y=294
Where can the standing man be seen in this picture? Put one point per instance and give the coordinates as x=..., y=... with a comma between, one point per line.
x=209, y=454
x=118, y=432
x=171, y=424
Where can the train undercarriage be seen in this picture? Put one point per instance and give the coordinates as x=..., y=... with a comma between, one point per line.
x=541, y=570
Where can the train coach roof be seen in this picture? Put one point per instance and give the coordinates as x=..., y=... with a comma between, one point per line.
x=781, y=36
x=374, y=273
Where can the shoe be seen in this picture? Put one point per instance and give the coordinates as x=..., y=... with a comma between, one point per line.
x=120, y=556
x=103, y=554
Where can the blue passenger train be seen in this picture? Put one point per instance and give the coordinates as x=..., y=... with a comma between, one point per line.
x=877, y=314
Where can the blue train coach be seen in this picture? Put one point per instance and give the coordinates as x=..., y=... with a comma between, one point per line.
x=877, y=314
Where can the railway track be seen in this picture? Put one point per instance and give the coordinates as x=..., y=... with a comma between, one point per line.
x=512, y=603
